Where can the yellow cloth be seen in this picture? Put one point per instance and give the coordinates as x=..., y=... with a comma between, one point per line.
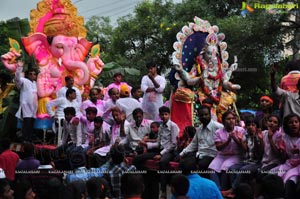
x=184, y=95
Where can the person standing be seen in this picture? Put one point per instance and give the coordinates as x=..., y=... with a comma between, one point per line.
x=28, y=100
x=290, y=100
x=153, y=86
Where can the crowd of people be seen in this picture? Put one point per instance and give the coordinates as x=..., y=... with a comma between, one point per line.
x=104, y=141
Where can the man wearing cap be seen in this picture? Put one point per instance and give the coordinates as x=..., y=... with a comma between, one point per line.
x=116, y=84
x=127, y=104
x=153, y=86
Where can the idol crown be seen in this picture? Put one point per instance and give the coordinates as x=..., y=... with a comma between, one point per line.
x=57, y=17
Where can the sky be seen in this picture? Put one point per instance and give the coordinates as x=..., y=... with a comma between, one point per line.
x=86, y=8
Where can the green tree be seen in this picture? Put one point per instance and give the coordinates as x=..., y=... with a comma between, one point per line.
x=100, y=31
x=4, y=43
x=147, y=35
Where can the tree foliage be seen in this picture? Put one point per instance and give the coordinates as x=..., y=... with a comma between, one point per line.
x=99, y=31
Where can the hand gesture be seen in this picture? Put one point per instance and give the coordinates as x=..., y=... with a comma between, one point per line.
x=235, y=59
x=20, y=64
x=259, y=133
x=150, y=76
x=231, y=136
x=75, y=121
x=239, y=135
x=142, y=143
x=281, y=145
x=145, y=139
x=123, y=117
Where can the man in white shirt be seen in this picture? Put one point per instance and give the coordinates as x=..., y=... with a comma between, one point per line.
x=153, y=86
x=28, y=100
x=203, y=142
x=60, y=104
x=69, y=81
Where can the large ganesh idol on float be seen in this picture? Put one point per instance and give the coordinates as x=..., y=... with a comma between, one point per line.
x=57, y=42
x=201, y=73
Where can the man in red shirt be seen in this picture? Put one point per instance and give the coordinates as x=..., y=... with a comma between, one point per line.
x=289, y=81
x=8, y=159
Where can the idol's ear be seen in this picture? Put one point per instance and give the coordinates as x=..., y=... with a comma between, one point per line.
x=38, y=46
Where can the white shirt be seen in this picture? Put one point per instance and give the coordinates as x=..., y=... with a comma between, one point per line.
x=28, y=96
x=127, y=105
x=73, y=130
x=291, y=101
x=203, y=142
x=152, y=101
x=60, y=104
x=107, y=116
x=167, y=138
x=62, y=93
x=137, y=133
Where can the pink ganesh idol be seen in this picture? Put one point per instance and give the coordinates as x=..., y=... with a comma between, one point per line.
x=57, y=42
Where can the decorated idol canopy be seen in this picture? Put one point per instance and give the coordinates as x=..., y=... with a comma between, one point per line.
x=57, y=42
x=201, y=72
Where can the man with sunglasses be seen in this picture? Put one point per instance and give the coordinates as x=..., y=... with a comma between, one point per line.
x=28, y=99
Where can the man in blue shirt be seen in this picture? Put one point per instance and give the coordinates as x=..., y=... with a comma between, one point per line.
x=199, y=187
